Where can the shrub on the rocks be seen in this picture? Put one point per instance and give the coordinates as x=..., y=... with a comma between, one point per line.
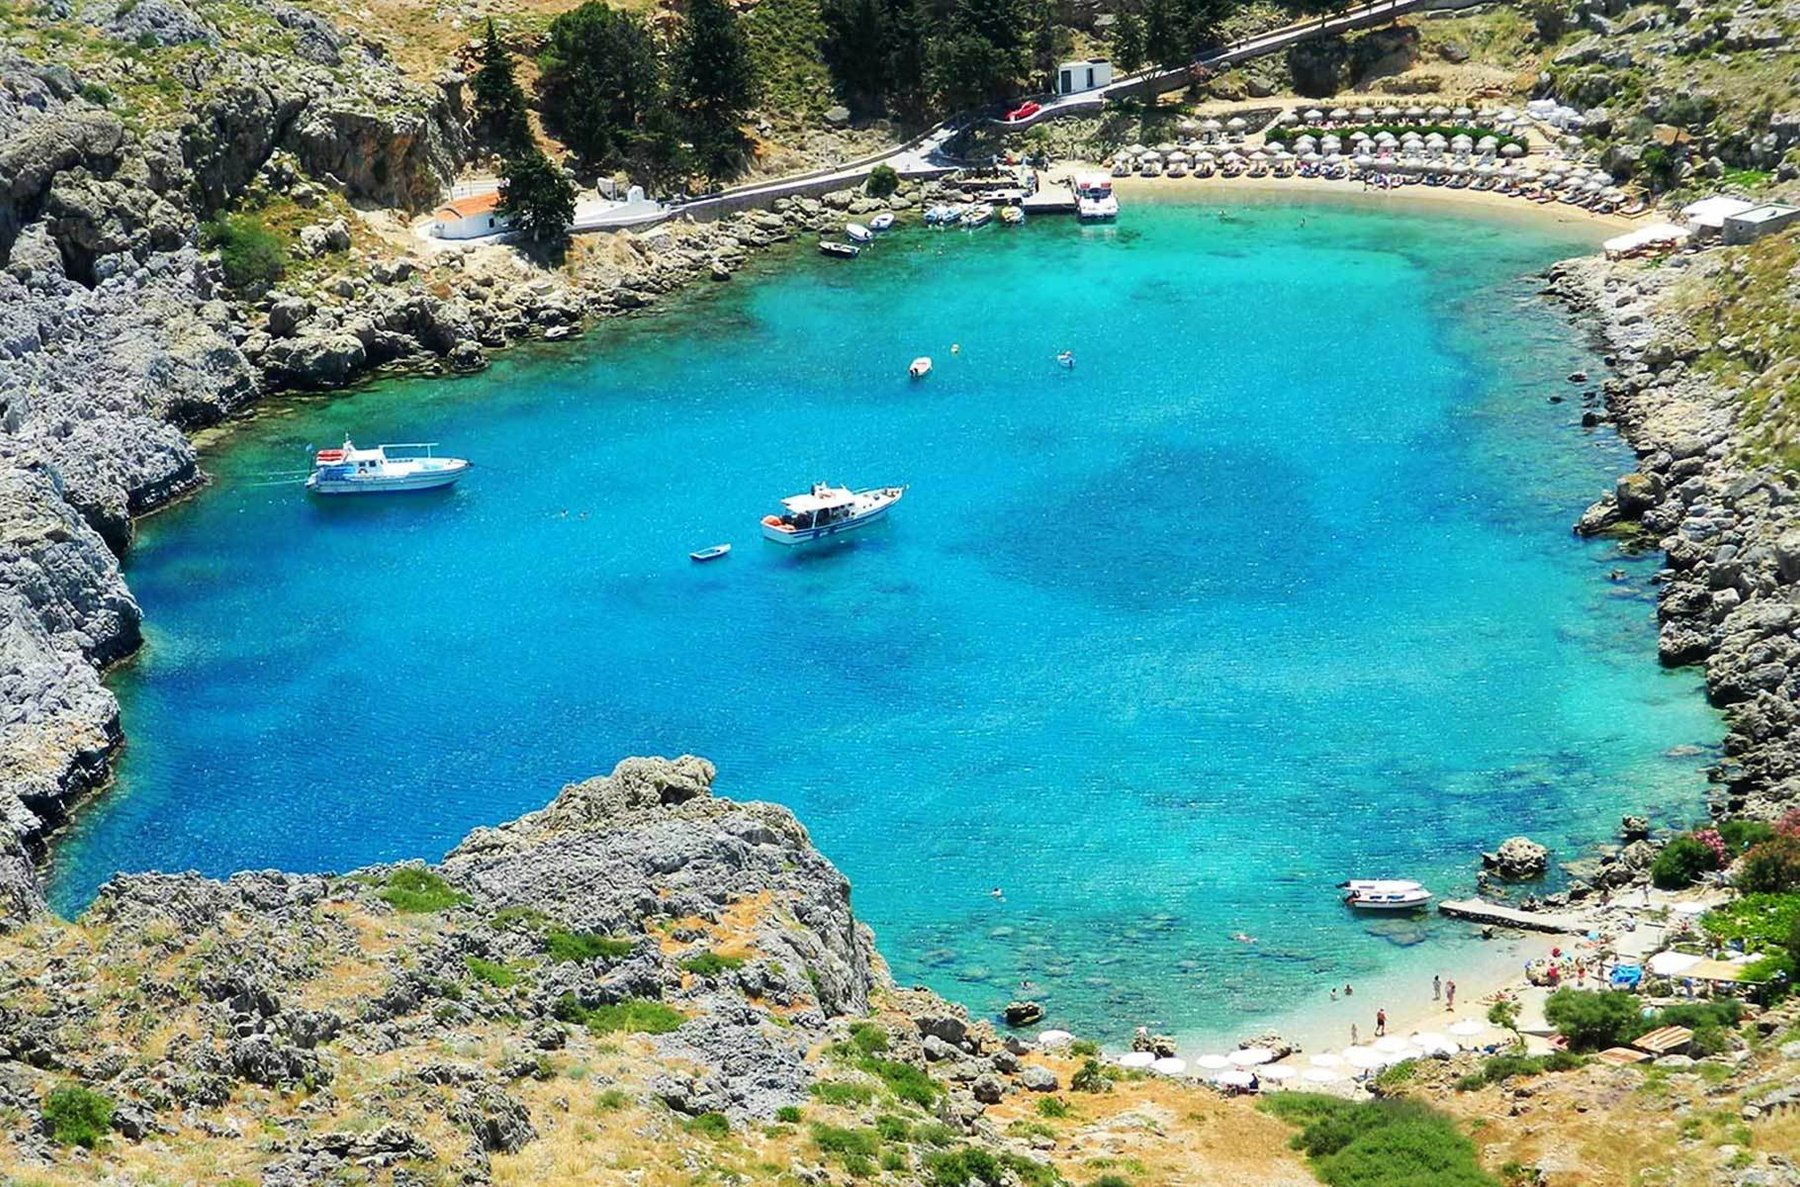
x=611, y=1100
x=1364, y=1143
x=882, y=181
x=634, y=1015
x=1741, y=835
x=1052, y=1107
x=712, y=1125
x=413, y=891
x=76, y=1115
x=491, y=971
x=1500, y=1068
x=905, y=1081
x=711, y=964
x=1772, y=867
x=1090, y=1077
x=252, y=255
x=788, y=1114
x=868, y=1038
x=1682, y=862
x=572, y=946
x=1594, y=1020
x=842, y=1092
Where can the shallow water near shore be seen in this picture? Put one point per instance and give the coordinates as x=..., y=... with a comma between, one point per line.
x=1274, y=588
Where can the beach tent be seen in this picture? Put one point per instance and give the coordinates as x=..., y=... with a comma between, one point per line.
x=1393, y=1045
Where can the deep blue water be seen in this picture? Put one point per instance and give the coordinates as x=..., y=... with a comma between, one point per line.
x=1275, y=587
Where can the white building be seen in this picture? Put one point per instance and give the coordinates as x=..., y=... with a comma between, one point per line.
x=470, y=217
x=1072, y=77
x=1753, y=224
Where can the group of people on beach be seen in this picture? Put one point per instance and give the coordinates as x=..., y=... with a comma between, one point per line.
x=1442, y=990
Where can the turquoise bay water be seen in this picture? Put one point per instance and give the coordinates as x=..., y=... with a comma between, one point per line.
x=1276, y=587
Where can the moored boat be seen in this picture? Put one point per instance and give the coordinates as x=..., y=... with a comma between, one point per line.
x=842, y=251
x=1012, y=216
x=920, y=367
x=350, y=470
x=978, y=215
x=857, y=233
x=882, y=221
x=1384, y=894
x=940, y=215
x=1094, y=200
x=828, y=511
x=712, y=553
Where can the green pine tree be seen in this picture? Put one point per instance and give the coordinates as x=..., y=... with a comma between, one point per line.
x=499, y=100
x=601, y=76
x=855, y=49
x=713, y=85
x=536, y=196
x=1127, y=42
x=909, y=31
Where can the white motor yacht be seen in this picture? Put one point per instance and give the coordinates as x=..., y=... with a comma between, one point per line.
x=350, y=470
x=828, y=511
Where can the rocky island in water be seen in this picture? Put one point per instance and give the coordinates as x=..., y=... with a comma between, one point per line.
x=206, y=204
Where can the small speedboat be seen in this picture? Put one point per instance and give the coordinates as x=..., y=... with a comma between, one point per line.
x=1012, y=216
x=940, y=216
x=350, y=470
x=920, y=367
x=857, y=233
x=842, y=251
x=978, y=215
x=882, y=222
x=710, y=554
x=827, y=511
x=1384, y=894
x=1066, y=360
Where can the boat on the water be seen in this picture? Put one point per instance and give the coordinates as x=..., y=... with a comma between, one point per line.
x=920, y=367
x=1012, y=216
x=940, y=216
x=857, y=233
x=978, y=215
x=712, y=553
x=827, y=511
x=1384, y=894
x=882, y=222
x=842, y=251
x=350, y=470
x=1094, y=200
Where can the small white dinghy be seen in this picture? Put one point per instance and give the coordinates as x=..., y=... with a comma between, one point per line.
x=857, y=233
x=882, y=221
x=920, y=367
x=710, y=554
x=1384, y=894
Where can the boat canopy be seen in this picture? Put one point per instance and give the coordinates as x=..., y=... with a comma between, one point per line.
x=820, y=498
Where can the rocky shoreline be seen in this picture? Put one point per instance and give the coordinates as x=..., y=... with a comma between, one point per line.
x=1728, y=527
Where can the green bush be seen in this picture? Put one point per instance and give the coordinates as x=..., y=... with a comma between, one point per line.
x=960, y=1168
x=572, y=946
x=843, y=1092
x=1772, y=867
x=788, y=1114
x=711, y=964
x=611, y=1100
x=1740, y=835
x=1111, y=1181
x=892, y=1128
x=1681, y=863
x=1052, y=1106
x=882, y=181
x=96, y=94
x=252, y=255
x=905, y=1081
x=1500, y=1068
x=868, y=1038
x=712, y=1125
x=491, y=971
x=1594, y=1020
x=1379, y=1143
x=1090, y=1077
x=840, y=1140
x=413, y=891
x=1084, y=1048
x=933, y=1133
x=634, y=1015
x=77, y=1116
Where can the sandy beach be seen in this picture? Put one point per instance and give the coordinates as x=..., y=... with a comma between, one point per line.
x=1420, y=198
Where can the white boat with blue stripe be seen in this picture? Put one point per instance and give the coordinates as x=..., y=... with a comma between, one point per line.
x=828, y=512
x=353, y=471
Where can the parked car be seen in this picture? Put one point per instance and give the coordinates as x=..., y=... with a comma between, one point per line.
x=1024, y=111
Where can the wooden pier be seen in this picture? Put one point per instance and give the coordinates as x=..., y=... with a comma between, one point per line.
x=1480, y=911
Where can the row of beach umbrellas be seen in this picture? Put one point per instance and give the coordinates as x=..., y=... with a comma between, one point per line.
x=1241, y=1067
x=1391, y=114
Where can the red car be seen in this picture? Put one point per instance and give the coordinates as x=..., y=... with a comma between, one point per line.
x=1023, y=111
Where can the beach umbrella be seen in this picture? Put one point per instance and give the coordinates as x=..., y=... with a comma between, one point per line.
x=1390, y=113
x=1366, y=1057
x=1259, y=155
x=1251, y=1056
x=1415, y=112
x=1170, y=1066
x=1339, y=114
x=1460, y=168
x=1178, y=155
x=1365, y=113
x=1484, y=169
x=1488, y=143
x=1508, y=173
x=1463, y=113
x=1386, y=139
x=1436, y=140
x=1138, y=150
x=1212, y=1063
x=1591, y=187
x=1304, y=142
x=1431, y=1042
x=1311, y=158
x=1360, y=137
x=1288, y=118
x=1461, y=142
x=1364, y=161
x=1279, y=1072
x=1321, y=1075
x=1326, y=1059
x=1210, y=125
x=1236, y=124
x=1527, y=173
x=1506, y=115
x=1440, y=112
x=1205, y=158
x=1237, y=1078
x=1234, y=158
x=1165, y=148
x=1055, y=1038
x=1314, y=115
x=1512, y=150
x=1467, y=1028
x=1330, y=143
x=1392, y=1044
x=1336, y=158
x=1136, y=1059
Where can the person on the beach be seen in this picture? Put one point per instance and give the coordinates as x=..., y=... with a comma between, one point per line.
x=1380, y=1023
x=1449, y=995
x=1347, y=990
x=1353, y=1034
x=1437, y=987
x=1334, y=993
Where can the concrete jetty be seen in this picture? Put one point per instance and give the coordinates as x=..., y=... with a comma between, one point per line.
x=1480, y=911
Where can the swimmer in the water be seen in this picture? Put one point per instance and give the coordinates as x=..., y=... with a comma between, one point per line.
x=996, y=893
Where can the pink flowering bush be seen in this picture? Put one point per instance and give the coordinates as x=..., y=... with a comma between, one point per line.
x=1710, y=838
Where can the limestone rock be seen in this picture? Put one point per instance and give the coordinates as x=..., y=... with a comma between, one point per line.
x=1518, y=859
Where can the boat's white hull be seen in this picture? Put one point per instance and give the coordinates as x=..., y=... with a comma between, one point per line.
x=830, y=531
x=430, y=479
x=1413, y=905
